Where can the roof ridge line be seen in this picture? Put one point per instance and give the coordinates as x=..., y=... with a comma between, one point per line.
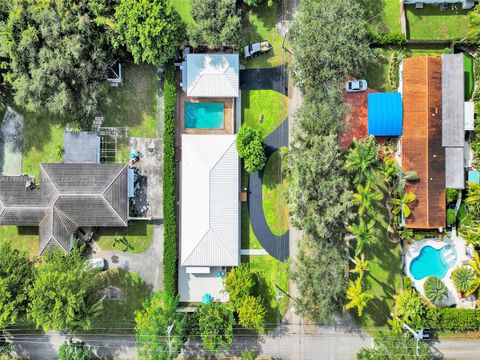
x=66, y=216
x=195, y=247
x=51, y=181
x=105, y=200
x=115, y=178
x=108, y=187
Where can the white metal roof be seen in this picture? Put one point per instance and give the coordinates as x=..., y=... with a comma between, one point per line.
x=210, y=216
x=211, y=75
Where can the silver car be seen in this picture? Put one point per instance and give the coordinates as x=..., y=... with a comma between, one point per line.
x=356, y=85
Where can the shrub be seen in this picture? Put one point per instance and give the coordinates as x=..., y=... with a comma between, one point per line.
x=451, y=195
x=463, y=277
x=435, y=289
x=73, y=351
x=387, y=39
x=240, y=282
x=169, y=219
x=249, y=355
x=251, y=312
x=251, y=149
x=452, y=319
x=393, y=68
x=451, y=216
x=215, y=322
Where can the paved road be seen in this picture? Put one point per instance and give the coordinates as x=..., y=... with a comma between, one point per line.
x=265, y=79
x=276, y=246
x=148, y=265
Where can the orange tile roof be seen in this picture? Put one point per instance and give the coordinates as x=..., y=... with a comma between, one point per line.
x=422, y=149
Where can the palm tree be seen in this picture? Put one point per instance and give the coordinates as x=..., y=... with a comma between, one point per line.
x=365, y=198
x=409, y=307
x=401, y=205
x=475, y=264
x=361, y=266
x=363, y=233
x=435, y=289
x=473, y=197
x=358, y=298
x=463, y=278
x=362, y=159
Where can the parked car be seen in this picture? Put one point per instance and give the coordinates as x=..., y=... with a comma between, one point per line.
x=356, y=85
x=256, y=49
x=96, y=264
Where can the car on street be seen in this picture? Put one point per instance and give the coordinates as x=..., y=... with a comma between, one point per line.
x=356, y=85
x=257, y=49
x=96, y=264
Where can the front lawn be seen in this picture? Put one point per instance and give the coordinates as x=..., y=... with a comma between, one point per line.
x=137, y=237
x=260, y=24
x=248, y=238
x=274, y=193
x=23, y=238
x=271, y=272
x=118, y=315
x=269, y=104
x=431, y=23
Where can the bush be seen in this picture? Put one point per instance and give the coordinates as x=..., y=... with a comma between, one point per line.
x=451, y=217
x=435, y=289
x=251, y=312
x=463, y=277
x=249, y=355
x=251, y=148
x=240, y=283
x=453, y=319
x=169, y=219
x=451, y=195
x=393, y=68
x=215, y=322
x=73, y=351
x=392, y=39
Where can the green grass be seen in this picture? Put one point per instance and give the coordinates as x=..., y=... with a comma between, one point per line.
x=469, y=76
x=133, y=105
x=376, y=73
x=430, y=23
x=271, y=272
x=139, y=235
x=425, y=50
x=258, y=25
x=183, y=8
x=274, y=193
x=23, y=238
x=118, y=315
x=269, y=103
x=248, y=238
x=383, y=12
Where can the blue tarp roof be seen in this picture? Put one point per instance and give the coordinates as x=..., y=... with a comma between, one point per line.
x=385, y=114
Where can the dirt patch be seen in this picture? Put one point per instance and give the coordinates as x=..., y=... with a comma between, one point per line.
x=113, y=293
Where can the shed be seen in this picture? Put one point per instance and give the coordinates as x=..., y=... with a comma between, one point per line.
x=385, y=114
x=81, y=147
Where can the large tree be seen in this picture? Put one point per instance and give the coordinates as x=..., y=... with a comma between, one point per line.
x=152, y=324
x=149, y=29
x=217, y=23
x=329, y=40
x=57, y=53
x=64, y=294
x=16, y=274
x=319, y=273
x=215, y=322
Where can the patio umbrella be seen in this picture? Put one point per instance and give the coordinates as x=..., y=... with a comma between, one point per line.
x=207, y=298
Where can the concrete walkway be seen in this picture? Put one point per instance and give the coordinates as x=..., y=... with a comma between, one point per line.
x=276, y=246
x=148, y=265
x=253, y=252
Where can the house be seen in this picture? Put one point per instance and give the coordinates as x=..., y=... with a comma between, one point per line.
x=422, y=150
x=209, y=215
x=69, y=197
x=453, y=119
x=384, y=114
x=466, y=4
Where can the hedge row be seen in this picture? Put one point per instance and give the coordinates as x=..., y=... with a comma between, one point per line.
x=386, y=39
x=453, y=319
x=169, y=219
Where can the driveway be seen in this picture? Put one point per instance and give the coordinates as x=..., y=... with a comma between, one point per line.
x=265, y=79
x=276, y=246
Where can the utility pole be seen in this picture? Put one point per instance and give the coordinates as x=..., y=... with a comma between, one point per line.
x=169, y=331
x=417, y=335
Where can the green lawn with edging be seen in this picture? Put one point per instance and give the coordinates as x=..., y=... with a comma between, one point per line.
x=138, y=236
x=469, y=76
x=376, y=73
x=274, y=193
x=23, y=238
x=431, y=23
x=260, y=24
x=118, y=315
x=270, y=104
x=381, y=13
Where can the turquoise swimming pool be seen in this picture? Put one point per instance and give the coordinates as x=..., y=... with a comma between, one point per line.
x=433, y=262
x=204, y=115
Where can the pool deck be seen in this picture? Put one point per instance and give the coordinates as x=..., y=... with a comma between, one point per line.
x=462, y=258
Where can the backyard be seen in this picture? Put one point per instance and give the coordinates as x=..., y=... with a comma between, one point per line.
x=134, y=239
x=23, y=238
x=433, y=23
x=384, y=15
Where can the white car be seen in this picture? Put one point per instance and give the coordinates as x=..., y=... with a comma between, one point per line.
x=356, y=85
x=96, y=264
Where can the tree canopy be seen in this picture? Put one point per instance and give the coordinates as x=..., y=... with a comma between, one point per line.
x=57, y=53
x=16, y=275
x=239, y=283
x=63, y=295
x=251, y=148
x=215, y=321
x=158, y=313
x=74, y=351
x=217, y=23
x=329, y=40
x=149, y=29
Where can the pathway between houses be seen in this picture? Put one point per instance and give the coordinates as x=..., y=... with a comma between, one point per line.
x=148, y=265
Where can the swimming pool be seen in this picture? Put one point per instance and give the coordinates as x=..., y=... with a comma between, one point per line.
x=433, y=262
x=204, y=115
